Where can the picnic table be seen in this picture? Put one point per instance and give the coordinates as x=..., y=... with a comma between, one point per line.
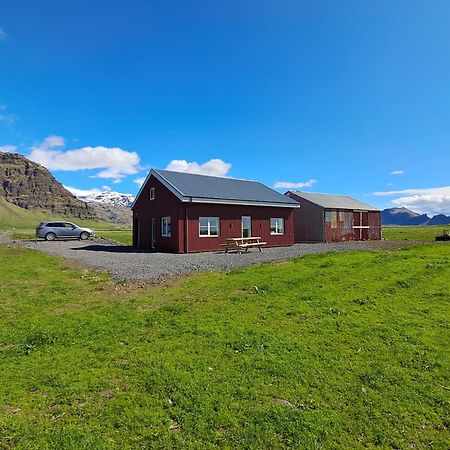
x=242, y=243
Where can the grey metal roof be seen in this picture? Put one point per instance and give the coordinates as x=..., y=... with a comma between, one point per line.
x=334, y=201
x=208, y=189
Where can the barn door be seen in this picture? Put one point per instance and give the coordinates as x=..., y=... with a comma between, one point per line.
x=361, y=225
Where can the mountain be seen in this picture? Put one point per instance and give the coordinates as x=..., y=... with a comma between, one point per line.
x=120, y=215
x=440, y=219
x=31, y=186
x=110, y=206
x=109, y=198
x=404, y=216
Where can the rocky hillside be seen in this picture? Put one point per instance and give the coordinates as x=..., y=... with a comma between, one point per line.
x=31, y=186
x=404, y=216
x=119, y=215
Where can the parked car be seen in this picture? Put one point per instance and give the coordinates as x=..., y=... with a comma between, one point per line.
x=54, y=230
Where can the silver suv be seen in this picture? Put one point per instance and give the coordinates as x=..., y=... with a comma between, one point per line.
x=54, y=230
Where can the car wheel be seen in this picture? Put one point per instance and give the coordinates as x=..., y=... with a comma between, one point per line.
x=84, y=236
x=50, y=236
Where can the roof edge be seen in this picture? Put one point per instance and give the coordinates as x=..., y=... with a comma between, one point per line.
x=368, y=207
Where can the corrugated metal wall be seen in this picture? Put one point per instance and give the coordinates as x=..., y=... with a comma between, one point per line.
x=316, y=224
x=309, y=221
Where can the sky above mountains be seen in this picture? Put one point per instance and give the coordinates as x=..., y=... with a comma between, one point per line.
x=343, y=97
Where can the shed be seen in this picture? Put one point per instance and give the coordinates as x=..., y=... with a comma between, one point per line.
x=181, y=212
x=334, y=218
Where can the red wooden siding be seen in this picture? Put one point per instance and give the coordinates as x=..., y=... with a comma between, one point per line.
x=165, y=204
x=230, y=225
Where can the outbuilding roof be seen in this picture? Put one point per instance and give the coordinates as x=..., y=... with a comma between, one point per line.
x=207, y=189
x=331, y=201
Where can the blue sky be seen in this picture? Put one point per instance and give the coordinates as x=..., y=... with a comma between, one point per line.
x=334, y=95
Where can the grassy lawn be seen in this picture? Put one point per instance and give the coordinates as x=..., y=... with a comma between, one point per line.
x=322, y=351
x=426, y=233
x=122, y=235
x=21, y=223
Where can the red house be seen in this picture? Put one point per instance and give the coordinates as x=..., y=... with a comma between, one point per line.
x=180, y=212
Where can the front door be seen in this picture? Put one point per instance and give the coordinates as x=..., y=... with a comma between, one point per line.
x=153, y=233
x=246, y=226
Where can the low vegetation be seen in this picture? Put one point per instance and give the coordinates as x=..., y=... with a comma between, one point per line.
x=407, y=233
x=322, y=351
x=21, y=223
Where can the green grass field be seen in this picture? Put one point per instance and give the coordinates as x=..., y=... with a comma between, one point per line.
x=21, y=223
x=425, y=233
x=322, y=351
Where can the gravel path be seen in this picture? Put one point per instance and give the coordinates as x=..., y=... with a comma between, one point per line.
x=128, y=263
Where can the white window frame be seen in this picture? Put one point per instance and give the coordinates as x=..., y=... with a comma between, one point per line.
x=209, y=227
x=151, y=193
x=277, y=228
x=166, y=226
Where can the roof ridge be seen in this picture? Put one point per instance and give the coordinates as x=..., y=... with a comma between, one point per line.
x=209, y=176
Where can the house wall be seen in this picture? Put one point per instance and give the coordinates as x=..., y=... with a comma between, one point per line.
x=185, y=217
x=230, y=224
x=164, y=204
x=308, y=220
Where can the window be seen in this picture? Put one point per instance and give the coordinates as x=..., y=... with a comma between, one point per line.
x=151, y=193
x=166, y=227
x=208, y=226
x=277, y=225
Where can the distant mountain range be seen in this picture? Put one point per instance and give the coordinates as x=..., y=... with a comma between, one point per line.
x=30, y=186
x=109, y=198
x=404, y=216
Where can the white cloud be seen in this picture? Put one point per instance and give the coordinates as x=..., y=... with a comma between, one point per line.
x=3, y=35
x=290, y=185
x=214, y=167
x=139, y=181
x=106, y=188
x=397, y=172
x=114, y=162
x=8, y=148
x=425, y=201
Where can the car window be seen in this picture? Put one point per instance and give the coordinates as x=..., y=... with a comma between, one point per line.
x=58, y=225
x=49, y=225
x=69, y=225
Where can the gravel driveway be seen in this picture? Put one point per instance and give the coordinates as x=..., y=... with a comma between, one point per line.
x=125, y=262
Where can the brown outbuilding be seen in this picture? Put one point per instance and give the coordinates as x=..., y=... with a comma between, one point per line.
x=334, y=218
x=181, y=212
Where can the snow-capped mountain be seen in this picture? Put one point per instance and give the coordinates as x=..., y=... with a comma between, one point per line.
x=108, y=198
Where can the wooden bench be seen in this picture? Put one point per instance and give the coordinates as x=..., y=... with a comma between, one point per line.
x=240, y=244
